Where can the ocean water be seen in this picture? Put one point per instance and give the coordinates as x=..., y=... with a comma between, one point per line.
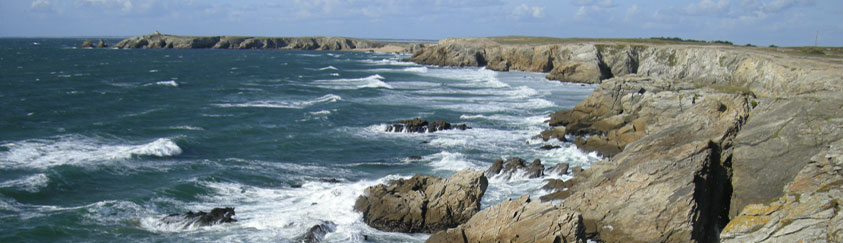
x=100, y=144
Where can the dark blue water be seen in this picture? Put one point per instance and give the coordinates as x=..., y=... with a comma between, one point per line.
x=100, y=144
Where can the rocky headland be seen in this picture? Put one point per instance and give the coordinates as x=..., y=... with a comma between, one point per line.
x=702, y=142
x=158, y=40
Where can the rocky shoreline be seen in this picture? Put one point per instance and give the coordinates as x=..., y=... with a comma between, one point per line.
x=696, y=138
x=702, y=143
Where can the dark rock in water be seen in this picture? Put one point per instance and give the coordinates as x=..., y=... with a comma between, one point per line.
x=297, y=185
x=87, y=44
x=317, y=232
x=329, y=180
x=423, y=203
x=198, y=219
x=550, y=147
x=102, y=44
x=559, y=169
x=515, y=165
x=415, y=157
x=495, y=169
x=422, y=126
x=536, y=169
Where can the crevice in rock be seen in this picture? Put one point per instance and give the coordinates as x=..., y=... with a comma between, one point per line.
x=712, y=193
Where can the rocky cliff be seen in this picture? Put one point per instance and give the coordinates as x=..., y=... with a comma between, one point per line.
x=762, y=73
x=157, y=40
x=696, y=137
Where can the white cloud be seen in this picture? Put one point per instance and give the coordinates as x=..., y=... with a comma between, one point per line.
x=124, y=6
x=594, y=3
x=524, y=10
x=708, y=8
x=43, y=6
x=631, y=11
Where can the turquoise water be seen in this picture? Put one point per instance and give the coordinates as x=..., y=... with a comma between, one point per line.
x=99, y=144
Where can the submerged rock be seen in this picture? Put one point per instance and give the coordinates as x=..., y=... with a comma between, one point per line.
x=198, y=219
x=417, y=125
x=520, y=220
x=423, y=203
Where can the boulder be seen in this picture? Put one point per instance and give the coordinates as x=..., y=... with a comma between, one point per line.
x=811, y=210
x=556, y=132
x=423, y=203
x=520, y=220
x=417, y=125
x=198, y=219
x=87, y=44
x=550, y=147
x=558, y=169
x=515, y=165
x=317, y=233
x=102, y=44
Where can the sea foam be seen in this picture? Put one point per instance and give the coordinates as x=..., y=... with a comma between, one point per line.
x=78, y=150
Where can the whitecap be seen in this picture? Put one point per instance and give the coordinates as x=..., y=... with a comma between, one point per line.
x=389, y=62
x=31, y=183
x=190, y=128
x=78, y=150
x=328, y=68
x=283, y=104
x=452, y=161
x=372, y=81
x=171, y=83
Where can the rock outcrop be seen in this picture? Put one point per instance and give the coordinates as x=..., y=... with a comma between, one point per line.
x=521, y=220
x=810, y=211
x=157, y=40
x=198, y=219
x=515, y=165
x=777, y=142
x=675, y=178
x=423, y=203
x=764, y=74
x=87, y=44
x=417, y=125
x=692, y=135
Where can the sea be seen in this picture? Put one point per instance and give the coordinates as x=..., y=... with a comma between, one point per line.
x=98, y=145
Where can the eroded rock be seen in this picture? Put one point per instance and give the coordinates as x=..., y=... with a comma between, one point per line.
x=198, y=219
x=423, y=203
x=520, y=220
x=417, y=125
x=810, y=210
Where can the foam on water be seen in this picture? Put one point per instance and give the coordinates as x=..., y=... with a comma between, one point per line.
x=78, y=150
x=286, y=213
x=392, y=62
x=284, y=104
x=373, y=81
x=168, y=83
x=452, y=161
x=31, y=183
x=328, y=68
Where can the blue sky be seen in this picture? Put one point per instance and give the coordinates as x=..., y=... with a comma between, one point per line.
x=760, y=22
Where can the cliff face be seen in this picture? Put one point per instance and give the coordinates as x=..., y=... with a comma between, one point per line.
x=764, y=74
x=696, y=137
x=157, y=40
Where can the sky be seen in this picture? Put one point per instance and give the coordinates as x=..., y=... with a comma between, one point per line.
x=759, y=22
